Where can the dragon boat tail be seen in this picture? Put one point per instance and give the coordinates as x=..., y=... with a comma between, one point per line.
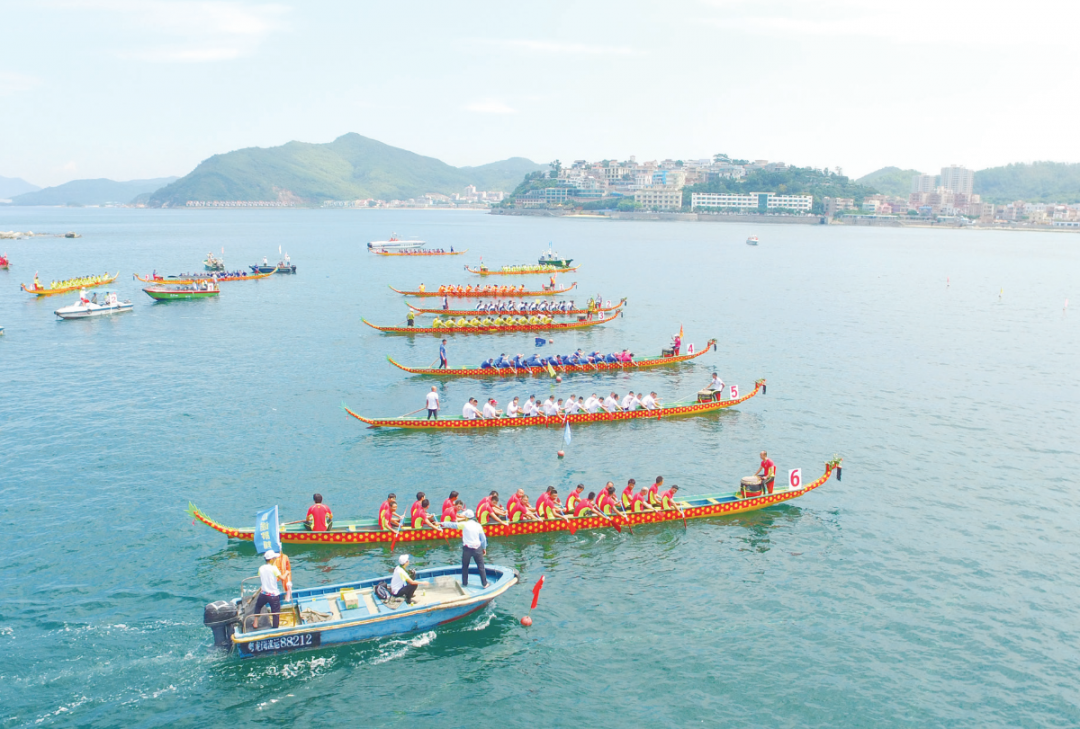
x=690, y=507
x=559, y=369
x=706, y=403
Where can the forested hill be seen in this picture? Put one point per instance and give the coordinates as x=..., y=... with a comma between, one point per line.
x=1035, y=182
x=91, y=192
x=351, y=167
x=890, y=181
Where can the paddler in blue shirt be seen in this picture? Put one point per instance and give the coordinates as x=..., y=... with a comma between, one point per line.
x=490, y=364
x=502, y=362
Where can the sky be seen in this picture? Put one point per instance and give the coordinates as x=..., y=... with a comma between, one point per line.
x=132, y=89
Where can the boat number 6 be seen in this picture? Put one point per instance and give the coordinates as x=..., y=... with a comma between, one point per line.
x=794, y=479
x=734, y=392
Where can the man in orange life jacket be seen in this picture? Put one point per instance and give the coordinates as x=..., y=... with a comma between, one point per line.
x=319, y=516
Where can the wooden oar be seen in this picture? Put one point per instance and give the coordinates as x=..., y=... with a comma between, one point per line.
x=393, y=541
x=414, y=412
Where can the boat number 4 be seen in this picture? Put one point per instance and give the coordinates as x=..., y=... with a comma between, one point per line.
x=734, y=392
x=794, y=479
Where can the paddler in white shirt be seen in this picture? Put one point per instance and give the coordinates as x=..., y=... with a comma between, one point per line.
x=490, y=413
x=630, y=402
x=611, y=403
x=649, y=401
x=592, y=403
x=470, y=411
x=530, y=409
x=513, y=409
x=572, y=406
x=549, y=407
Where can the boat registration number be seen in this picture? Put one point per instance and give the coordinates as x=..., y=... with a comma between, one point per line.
x=284, y=643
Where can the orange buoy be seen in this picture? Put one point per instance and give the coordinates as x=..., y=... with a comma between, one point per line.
x=526, y=621
x=561, y=454
x=558, y=378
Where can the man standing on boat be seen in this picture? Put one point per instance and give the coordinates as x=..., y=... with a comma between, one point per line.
x=442, y=355
x=401, y=583
x=767, y=471
x=411, y=318
x=432, y=401
x=319, y=517
x=473, y=547
x=269, y=577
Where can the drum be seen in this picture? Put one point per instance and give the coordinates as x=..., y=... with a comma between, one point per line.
x=668, y=352
x=706, y=395
x=751, y=486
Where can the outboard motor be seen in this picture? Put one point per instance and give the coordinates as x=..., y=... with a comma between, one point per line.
x=220, y=616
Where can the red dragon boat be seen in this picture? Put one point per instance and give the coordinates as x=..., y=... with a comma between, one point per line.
x=562, y=369
x=692, y=507
x=489, y=292
x=4, y=262
x=207, y=277
x=414, y=254
x=706, y=403
x=491, y=329
x=474, y=312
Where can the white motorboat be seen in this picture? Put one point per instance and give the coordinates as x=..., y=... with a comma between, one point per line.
x=751, y=241
x=394, y=244
x=99, y=304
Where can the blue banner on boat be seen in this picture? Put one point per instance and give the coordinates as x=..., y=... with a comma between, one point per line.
x=540, y=341
x=266, y=531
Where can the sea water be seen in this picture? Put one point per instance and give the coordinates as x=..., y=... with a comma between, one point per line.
x=936, y=585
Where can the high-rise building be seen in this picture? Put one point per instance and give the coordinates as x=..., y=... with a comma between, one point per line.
x=923, y=183
x=957, y=179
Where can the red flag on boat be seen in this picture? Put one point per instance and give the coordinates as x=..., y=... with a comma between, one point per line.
x=536, y=592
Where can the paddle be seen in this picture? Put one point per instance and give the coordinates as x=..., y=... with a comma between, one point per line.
x=393, y=541
x=613, y=522
x=414, y=412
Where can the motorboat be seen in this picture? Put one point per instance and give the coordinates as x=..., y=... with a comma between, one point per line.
x=282, y=266
x=751, y=241
x=98, y=304
x=551, y=258
x=197, y=290
x=394, y=244
x=213, y=263
x=350, y=612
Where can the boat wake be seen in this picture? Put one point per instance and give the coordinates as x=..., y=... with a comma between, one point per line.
x=484, y=621
x=399, y=648
x=303, y=667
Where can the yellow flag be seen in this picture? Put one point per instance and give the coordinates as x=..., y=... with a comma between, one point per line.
x=551, y=370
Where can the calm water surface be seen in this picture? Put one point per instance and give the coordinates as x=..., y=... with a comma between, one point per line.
x=935, y=586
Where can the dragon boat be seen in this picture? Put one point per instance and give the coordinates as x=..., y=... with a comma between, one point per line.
x=4, y=262
x=527, y=270
x=479, y=293
x=707, y=402
x=550, y=312
x=414, y=254
x=208, y=277
x=42, y=291
x=367, y=531
x=506, y=372
x=524, y=326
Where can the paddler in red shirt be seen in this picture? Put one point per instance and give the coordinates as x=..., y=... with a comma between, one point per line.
x=628, y=494
x=319, y=516
x=485, y=511
x=767, y=471
x=389, y=519
x=584, y=507
x=573, y=499
x=667, y=499
x=654, y=491
x=449, y=510
x=640, y=502
x=420, y=517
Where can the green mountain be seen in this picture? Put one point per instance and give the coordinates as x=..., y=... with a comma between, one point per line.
x=351, y=167
x=12, y=186
x=890, y=181
x=91, y=192
x=1035, y=182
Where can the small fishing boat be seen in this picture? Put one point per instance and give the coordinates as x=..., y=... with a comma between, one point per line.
x=524, y=270
x=479, y=327
x=349, y=612
x=752, y=240
x=190, y=279
x=367, y=531
x=486, y=292
x=87, y=307
x=549, y=311
x=4, y=262
x=86, y=282
x=554, y=259
x=213, y=263
x=707, y=402
x=282, y=266
x=394, y=244
x=639, y=364
x=170, y=292
x=421, y=253
x=1, y=330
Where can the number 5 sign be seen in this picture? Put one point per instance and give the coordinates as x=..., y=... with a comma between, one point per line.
x=734, y=392
x=794, y=479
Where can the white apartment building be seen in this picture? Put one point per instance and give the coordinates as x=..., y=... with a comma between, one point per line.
x=659, y=198
x=957, y=179
x=923, y=183
x=765, y=200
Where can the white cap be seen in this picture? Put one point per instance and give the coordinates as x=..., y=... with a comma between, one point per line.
x=469, y=514
x=270, y=554
x=403, y=559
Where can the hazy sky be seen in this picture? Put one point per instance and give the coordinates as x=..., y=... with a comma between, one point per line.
x=146, y=88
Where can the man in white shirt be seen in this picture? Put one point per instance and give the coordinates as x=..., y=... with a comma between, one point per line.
x=592, y=403
x=470, y=411
x=630, y=402
x=549, y=407
x=649, y=401
x=611, y=403
x=432, y=401
x=269, y=577
x=490, y=413
x=716, y=383
x=572, y=406
x=401, y=582
x=513, y=409
x=530, y=409
x=473, y=547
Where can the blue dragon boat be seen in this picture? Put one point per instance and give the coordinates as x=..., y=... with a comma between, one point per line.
x=350, y=612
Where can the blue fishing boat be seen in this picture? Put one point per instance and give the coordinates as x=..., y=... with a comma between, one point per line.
x=350, y=612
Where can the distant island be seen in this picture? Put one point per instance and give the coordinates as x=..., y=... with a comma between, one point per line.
x=91, y=192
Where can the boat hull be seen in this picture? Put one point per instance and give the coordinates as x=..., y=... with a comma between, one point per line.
x=438, y=331
x=543, y=272
x=273, y=269
x=474, y=312
x=67, y=289
x=176, y=280
x=561, y=370
x=76, y=312
x=158, y=295
x=418, y=253
x=694, y=507
x=487, y=294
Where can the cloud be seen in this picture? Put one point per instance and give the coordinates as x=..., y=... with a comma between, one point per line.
x=70, y=167
x=490, y=106
x=13, y=83
x=560, y=47
x=190, y=31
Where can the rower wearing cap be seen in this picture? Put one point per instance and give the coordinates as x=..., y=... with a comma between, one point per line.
x=269, y=577
x=490, y=413
x=388, y=516
x=401, y=583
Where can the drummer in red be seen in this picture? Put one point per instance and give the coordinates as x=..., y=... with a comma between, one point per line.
x=767, y=471
x=319, y=516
